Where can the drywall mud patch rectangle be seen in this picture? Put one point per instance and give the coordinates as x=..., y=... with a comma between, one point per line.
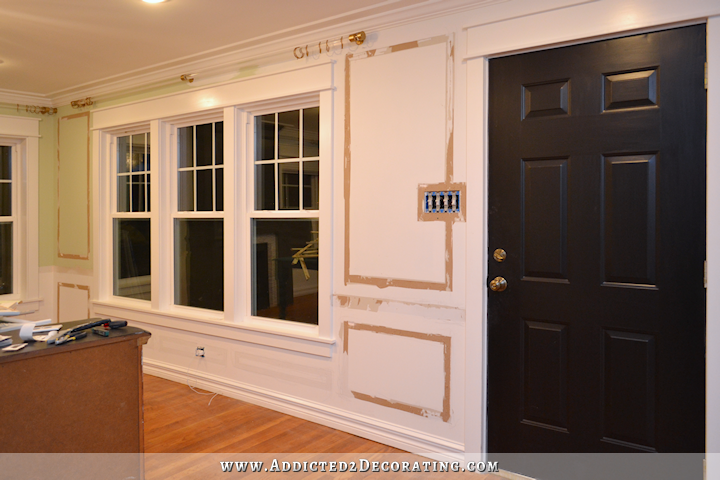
x=410, y=115
x=400, y=369
x=73, y=302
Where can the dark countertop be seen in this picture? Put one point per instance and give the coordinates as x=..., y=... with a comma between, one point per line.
x=91, y=340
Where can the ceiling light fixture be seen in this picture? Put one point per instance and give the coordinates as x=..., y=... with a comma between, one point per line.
x=153, y=1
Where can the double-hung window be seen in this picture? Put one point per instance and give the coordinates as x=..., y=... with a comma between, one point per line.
x=198, y=217
x=19, y=237
x=224, y=228
x=285, y=222
x=131, y=222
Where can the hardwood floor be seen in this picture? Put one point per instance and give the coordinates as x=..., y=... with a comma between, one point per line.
x=178, y=420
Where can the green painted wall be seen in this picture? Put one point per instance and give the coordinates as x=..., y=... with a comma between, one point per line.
x=73, y=188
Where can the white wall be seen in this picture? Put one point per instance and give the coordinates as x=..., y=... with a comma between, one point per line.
x=416, y=322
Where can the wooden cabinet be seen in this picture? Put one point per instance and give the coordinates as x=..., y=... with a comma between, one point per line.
x=85, y=396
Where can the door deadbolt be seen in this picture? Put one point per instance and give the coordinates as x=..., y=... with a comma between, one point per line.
x=498, y=284
x=499, y=255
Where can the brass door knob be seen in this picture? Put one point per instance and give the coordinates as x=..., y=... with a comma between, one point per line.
x=499, y=255
x=498, y=284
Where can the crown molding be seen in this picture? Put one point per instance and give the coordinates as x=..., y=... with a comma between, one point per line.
x=227, y=62
x=14, y=97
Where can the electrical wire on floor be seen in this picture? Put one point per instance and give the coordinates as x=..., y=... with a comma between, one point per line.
x=187, y=374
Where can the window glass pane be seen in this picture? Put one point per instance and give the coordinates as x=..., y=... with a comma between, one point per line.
x=265, y=137
x=6, y=258
x=289, y=134
x=138, y=153
x=219, y=190
x=311, y=132
x=147, y=195
x=265, y=187
x=285, y=269
x=123, y=193
x=185, y=147
x=138, y=193
x=199, y=263
x=186, y=191
x=289, y=186
x=147, y=151
x=204, y=190
x=311, y=185
x=5, y=199
x=5, y=163
x=219, y=143
x=203, y=137
x=123, y=154
x=131, y=273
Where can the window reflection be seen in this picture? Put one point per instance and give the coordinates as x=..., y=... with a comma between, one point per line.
x=132, y=258
x=199, y=263
x=285, y=269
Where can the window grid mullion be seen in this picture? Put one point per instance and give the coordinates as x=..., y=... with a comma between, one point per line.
x=194, y=164
x=212, y=165
x=276, y=143
x=130, y=188
x=202, y=167
x=284, y=160
x=300, y=164
x=147, y=172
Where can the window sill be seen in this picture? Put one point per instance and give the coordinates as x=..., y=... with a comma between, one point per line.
x=26, y=306
x=218, y=327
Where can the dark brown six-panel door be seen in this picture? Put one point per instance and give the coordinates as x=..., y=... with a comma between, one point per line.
x=597, y=194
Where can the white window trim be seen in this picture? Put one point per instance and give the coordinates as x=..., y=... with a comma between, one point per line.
x=234, y=103
x=22, y=134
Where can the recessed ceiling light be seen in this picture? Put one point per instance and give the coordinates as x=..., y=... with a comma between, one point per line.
x=153, y=1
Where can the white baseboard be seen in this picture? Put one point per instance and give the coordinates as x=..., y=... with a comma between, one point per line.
x=386, y=433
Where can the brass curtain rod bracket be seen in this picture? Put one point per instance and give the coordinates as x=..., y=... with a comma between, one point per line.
x=38, y=109
x=358, y=37
x=328, y=45
x=187, y=77
x=86, y=102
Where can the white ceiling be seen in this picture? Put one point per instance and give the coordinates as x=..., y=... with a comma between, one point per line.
x=52, y=48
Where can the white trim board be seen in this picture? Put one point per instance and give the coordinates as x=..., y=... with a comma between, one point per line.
x=588, y=21
x=399, y=437
x=278, y=338
x=305, y=79
x=16, y=126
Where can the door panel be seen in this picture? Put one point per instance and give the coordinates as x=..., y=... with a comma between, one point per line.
x=597, y=194
x=544, y=187
x=629, y=219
